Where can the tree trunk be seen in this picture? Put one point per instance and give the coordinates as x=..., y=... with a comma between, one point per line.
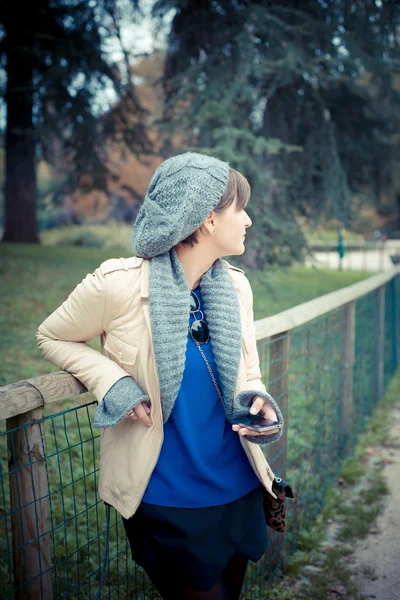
x=20, y=173
x=377, y=184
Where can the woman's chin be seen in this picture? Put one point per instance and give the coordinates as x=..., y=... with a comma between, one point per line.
x=238, y=250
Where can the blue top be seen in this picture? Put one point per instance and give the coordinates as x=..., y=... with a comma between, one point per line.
x=202, y=462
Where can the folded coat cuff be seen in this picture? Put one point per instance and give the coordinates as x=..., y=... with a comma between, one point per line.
x=120, y=399
x=242, y=404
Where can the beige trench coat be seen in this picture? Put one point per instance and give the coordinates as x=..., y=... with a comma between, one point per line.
x=113, y=303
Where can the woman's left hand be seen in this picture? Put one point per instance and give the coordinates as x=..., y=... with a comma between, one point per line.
x=259, y=405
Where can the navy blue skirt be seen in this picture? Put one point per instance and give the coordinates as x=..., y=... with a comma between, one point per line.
x=193, y=545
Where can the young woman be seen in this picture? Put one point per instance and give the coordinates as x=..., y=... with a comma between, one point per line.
x=178, y=363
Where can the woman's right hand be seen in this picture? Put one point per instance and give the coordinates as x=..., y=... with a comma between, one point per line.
x=141, y=412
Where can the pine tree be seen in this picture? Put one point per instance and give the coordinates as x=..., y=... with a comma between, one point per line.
x=277, y=88
x=56, y=65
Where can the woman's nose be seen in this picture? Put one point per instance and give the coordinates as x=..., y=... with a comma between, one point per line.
x=248, y=221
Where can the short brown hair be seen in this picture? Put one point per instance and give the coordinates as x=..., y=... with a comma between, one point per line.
x=237, y=186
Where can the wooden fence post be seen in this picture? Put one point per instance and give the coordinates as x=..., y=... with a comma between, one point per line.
x=30, y=514
x=278, y=387
x=382, y=256
x=379, y=345
x=347, y=375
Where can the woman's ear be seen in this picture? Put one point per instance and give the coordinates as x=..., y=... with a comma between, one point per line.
x=208, y=225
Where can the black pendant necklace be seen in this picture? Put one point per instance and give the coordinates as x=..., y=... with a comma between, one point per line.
x=198, y=329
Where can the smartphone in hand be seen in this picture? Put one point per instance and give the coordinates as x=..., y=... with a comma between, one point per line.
x=257, y=423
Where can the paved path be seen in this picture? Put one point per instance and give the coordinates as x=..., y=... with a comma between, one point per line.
x=367, y=258
x=370, y=260
x=377, y=557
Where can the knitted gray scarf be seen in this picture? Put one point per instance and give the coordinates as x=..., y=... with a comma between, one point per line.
x=169, y=313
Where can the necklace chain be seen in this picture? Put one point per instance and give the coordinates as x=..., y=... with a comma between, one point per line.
x=204, y=356
x=210, y=371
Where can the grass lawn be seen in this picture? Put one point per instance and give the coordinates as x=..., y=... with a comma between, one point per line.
x=279, y=290
x=37, y=279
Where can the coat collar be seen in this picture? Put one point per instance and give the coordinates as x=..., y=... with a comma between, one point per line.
x=164, y=282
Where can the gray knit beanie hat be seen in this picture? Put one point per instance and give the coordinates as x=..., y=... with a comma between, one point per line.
x=182, y=192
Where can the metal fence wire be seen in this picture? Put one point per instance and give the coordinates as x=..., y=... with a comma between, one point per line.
x=52, y=488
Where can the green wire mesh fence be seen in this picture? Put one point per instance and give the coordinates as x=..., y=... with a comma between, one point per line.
x=327, y=374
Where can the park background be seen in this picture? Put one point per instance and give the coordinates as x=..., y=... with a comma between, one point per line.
x=302, y=98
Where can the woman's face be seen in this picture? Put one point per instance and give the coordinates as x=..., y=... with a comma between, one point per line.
x=230, y=230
